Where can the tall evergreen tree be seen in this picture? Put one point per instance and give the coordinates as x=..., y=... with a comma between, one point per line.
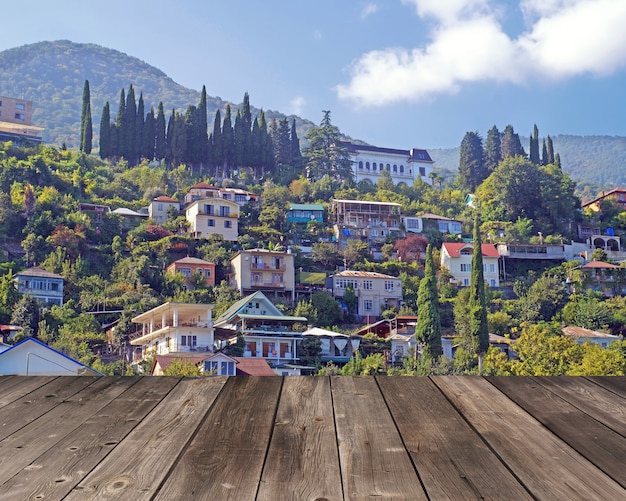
x=160, y=134
x=511, y=144
x=105, y=132
x=194, y=137
x=282, y=143
x=267, y=147
x=119, y=141
x=203, y=126
x=544, y=153
x=326, y=154
x=149, y=135
x=550, y=147
x=472, y=169
x=140, y=122
x=479, y=328
x=239, y=152
x=86, y=126
x=216, y=142
x=171, y=132
x=296, y=154
x=246, y=118
x=129, y=121
x=428, y=329
x=228, y=143
x=534, y=147
x=493, y=149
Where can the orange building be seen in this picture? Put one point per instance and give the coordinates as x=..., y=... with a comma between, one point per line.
x=188, y=266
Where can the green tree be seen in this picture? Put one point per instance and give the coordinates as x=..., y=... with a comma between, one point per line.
x=160, y=143
x=310, y=351
x=472, y=169
x=511, y=144
x=534, y=147
x=26, y=314
x=105, y=132
x=182, y=367
x=328, y=311
x=326, y=154
x=9, y=297
x=428, y=329
x=356, y=251
x=479, y=326
x=86, y=126
x=493, y=149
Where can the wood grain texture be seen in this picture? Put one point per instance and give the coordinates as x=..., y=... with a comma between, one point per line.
x=137, y=466
x=593, y=400
x=53, y=474
x=226, y=457
x=302, y=461
x=374, y=462
x=614, y=384
x=37, y=402
x=547, y=466
x=25, y=445
x=14, y=387
x=602, y=446
x=451, y=459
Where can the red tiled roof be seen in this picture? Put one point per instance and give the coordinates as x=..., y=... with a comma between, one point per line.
x=362, y=274
x=594, y=265
x=253, y=367
x=165, y=361
x=163, y=198
x=203, y=186
x=191, y=260
x=454, y=248
x=573, y=331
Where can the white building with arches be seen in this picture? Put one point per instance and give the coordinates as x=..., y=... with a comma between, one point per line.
x=405, y=166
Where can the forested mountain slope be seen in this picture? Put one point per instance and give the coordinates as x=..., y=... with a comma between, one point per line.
x=52, y=75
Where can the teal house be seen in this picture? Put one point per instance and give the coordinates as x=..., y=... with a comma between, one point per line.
x=303, y=213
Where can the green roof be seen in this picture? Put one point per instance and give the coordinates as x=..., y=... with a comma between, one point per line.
x=306, y=207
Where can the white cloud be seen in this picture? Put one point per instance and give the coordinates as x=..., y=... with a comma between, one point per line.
x=296, y=105
x=564, y=38
x=368, y=10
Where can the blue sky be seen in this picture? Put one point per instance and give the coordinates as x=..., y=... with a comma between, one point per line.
x=393, y=73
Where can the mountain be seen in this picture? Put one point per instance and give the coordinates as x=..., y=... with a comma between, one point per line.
x=52, y=75
x=595, y=162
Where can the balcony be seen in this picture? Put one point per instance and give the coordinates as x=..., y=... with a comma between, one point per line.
x=268, y=267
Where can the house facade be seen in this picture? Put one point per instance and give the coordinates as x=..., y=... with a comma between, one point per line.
x=266, y=331
x=368, y=221
x=304, y=213
x=272, y=272
x=44, y=286
x=457, y=259
x=581, y=336
x=16, y=121
x=441, y=223
x=160, y=206
x=173, y=328
x=375, y=292
x=605, y=278
x=617, y=195
x=405, y=166
x=203, y=191
x=213, y=216
x=190, y=266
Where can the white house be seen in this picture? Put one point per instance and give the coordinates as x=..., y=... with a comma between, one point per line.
x=213, y=216
x=159, y=207
x=405, y=166
x=457, y=258
x=31, y=357
x=581, y=335
x=173, y=328
x=44, y=286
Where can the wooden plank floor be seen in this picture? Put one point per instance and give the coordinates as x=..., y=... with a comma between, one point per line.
x=312, y=438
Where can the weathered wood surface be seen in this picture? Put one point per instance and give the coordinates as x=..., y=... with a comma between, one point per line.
x=327, y=438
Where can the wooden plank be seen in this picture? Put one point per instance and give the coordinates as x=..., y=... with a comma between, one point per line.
x=451, y=459
x=53, y=474
x=612, y=383
x=225, y=459
x=25, y=445
x=302, y=461
x=14, y=387
x=26, y=409
x=374, y=462
x=136, y=467
x=592, y=399
x=602, y=446
x=547, y=466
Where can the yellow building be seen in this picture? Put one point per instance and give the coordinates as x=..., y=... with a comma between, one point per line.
x=213, y=216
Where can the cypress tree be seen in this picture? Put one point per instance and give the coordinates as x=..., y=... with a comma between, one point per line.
x=216, y=142
x=511, y=144
x=282, y=143
x=171, y=132
x=192, y=127
x=203, y=128
x=149, y=135
x=534, y=146
x=130, y=124
x=139, y=128
x=550, y=150
x=493, y=149
x=160, y=144
x=471, y=161
x=246, y=117
x=267, y=147
x=296, y=154
x=105, y=132
x=228, y=143
x=428, y=329
x=119, y=142
x=479, y=328
x=239, y=153
x=86, y=126
x=544, y=153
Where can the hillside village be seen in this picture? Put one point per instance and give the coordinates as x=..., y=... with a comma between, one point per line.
x=313, y=262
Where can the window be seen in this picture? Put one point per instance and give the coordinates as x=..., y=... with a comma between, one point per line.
x=466, y=267
x=492, y=268
x=466, y=281
x=20, y=106
x=224, y=211
x=374, y=166
x=402, y=169
x=367, y=165
x=19, y=116
x=228, y=224
x=209, y=210
x=185, y=271
x=367, y=304
x=277, y=278
x=207, y=272
x=395, y=168
x=210, y=222
x=190, y=341
x=361, y=165
x=422, y=171
x=466, y=252
x=257, y=277
x=492, y=282
x=389, y=285
x=367, y=285
x=159, y=207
